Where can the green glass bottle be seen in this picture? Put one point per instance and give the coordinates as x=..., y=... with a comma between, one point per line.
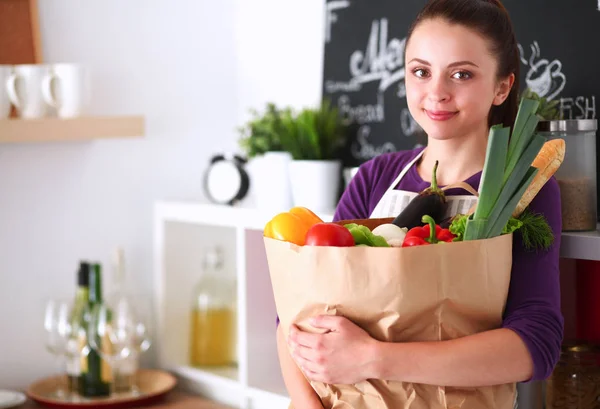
x=95, y=372
x=78, y=339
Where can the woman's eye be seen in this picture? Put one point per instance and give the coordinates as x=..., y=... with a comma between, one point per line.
x=462, y=75
x=420, y=72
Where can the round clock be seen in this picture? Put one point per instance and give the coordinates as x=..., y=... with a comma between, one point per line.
x=226, y=180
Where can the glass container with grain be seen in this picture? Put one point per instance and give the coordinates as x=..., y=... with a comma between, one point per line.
x=575, y=381
x=577, y=176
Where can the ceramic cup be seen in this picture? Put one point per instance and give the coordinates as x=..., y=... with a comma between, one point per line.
x=25, y=90
x=5, y=71
x=65, y=88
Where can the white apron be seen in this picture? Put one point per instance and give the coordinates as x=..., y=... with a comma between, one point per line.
x=394, y=201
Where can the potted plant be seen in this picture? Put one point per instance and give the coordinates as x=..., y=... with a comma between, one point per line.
x=268, y=160
x=314, y=137
x=548, y=110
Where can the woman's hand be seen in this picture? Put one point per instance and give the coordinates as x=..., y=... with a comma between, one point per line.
x=345, y=354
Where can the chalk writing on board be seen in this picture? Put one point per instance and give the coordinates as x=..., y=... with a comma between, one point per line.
x=362, y=149
x=545, y=78
x=337, y=86
x=382, y=60
x=361, y=114
x=578, y=107
x=331, y=17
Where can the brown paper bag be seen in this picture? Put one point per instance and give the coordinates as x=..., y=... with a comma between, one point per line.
x=425, y=293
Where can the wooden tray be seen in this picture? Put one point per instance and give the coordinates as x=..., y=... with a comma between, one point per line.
x=153, y=385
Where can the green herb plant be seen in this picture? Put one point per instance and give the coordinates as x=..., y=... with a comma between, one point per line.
x=548, y=110
x=313, y=134
x=263, y=132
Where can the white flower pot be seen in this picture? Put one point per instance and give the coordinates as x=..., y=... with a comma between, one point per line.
x=315, y=184
x=270, y=181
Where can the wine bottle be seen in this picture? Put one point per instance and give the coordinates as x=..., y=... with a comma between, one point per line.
x=95, y=372
x=77, y=342
x=124, y=379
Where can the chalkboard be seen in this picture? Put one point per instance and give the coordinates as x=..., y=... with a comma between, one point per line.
x=364, y=65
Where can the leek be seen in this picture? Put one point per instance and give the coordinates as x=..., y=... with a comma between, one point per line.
x=507, y=173
x=514, y=182
x=521, y=144
x=506, y=213
x=527, y=107
x=495, y=160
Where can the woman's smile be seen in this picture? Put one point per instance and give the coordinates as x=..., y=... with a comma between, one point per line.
x=440, y=115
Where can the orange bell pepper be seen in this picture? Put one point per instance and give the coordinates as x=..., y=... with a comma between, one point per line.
x=306, y=214
x=291, y=226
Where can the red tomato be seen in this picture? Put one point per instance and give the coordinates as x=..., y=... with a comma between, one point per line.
x=329, y=234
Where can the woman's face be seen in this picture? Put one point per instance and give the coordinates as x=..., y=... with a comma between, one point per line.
x=451, y=80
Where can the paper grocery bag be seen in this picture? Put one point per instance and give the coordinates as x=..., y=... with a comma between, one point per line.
x=426, y=293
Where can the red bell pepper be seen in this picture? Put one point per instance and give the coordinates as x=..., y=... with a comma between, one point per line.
x=430, y=233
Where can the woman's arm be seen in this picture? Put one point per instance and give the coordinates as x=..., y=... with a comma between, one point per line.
x=300, y=391
x=346, y=354
x=488, y=358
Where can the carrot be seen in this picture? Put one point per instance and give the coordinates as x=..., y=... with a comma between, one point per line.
x=547, y=162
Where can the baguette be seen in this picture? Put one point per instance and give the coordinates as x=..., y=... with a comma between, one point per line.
x=547, y=161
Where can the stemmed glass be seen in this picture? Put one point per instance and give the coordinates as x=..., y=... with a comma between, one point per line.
x=118, y=333
x=58, y=333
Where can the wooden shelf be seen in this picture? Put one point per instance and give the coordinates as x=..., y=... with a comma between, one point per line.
x=71, y=129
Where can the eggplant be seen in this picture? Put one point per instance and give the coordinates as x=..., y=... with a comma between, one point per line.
x=431, y=201
x=445, y=223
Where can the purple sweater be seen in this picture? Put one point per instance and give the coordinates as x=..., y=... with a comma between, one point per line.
x=533, y=305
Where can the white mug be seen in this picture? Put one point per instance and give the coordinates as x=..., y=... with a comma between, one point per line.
x=24, y=89
x=66, y=89
x=5, y=71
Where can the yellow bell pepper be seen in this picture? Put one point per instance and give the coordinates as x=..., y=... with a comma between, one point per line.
x=291, y=226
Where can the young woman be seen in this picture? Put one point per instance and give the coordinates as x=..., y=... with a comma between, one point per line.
x=462, y=76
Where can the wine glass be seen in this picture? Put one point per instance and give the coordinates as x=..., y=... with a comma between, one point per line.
x=119, y=335
x=58, y=332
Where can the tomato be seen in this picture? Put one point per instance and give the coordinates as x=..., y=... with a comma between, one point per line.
x=306, y=214
x=329, y=234
x=288, y=227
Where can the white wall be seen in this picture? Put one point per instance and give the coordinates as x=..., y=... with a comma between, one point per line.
x=192, y=68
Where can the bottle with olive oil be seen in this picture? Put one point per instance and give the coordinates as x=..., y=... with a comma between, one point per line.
x=213, y=318
x=96, y=374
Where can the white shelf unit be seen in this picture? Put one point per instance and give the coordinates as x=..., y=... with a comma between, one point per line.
x=180, y=232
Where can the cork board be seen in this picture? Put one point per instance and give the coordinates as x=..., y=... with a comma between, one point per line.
x=19, y=32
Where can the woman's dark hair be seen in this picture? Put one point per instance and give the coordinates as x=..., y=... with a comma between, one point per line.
x=489, y=18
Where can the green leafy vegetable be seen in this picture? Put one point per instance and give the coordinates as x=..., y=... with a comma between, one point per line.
x=534, y=229
x=363, y=236
x=512, y=226
x=458, y=226
x=536, y=232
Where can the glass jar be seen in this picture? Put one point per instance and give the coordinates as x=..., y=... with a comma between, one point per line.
x=577, y=175
x=213, y=325
x=575, y=382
